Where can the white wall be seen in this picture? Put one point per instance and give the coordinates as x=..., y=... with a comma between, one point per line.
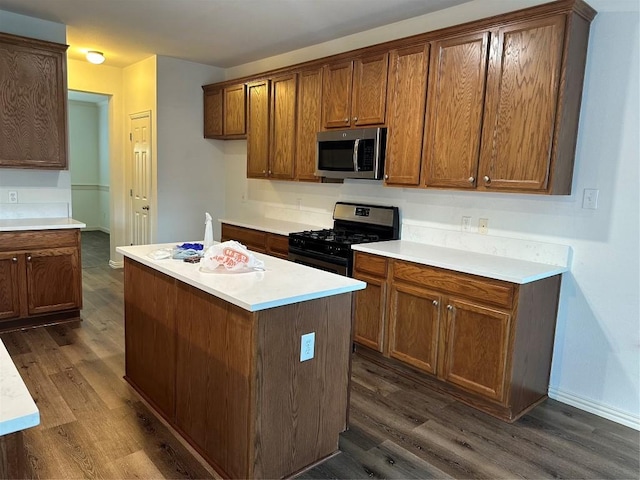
x=191, y=169
x=106, y=80
x=596, y=363
x=84, y=162
x=40, y=187
x=104, y=196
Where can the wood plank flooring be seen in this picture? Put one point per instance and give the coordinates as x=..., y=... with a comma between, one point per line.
x=93, y=425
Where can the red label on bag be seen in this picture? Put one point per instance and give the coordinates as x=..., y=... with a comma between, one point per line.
x=230, y=258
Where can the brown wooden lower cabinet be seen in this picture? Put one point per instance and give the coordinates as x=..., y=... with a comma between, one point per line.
x=13, y=456
x=487, y=342
x=231, y=381
x=257, y=240
x=40, y=278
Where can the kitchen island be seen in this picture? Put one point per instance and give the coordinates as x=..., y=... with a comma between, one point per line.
x=218, y=355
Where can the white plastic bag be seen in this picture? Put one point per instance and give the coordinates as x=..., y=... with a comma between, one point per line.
x=231, y=255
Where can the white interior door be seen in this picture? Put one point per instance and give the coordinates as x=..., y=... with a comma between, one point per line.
x=140, y=178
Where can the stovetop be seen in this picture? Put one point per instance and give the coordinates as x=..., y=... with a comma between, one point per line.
x=338, y=236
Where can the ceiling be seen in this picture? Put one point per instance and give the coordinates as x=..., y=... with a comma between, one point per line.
x=222, y=33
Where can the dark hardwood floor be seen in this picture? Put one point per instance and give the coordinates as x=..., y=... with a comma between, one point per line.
x=94, y=426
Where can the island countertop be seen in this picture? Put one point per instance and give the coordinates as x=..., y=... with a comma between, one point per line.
x=18, y=411
x=281, y=283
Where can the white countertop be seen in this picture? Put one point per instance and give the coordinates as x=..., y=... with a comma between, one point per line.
x=18, y=411
x=17, y=224
x=282, y=282
x=271, y=225
x=491, y=266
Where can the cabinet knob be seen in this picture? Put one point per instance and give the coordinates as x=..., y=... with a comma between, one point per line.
x=29, y=258
x=486, y=179
x=269, y=172
x=450, y=308
x=386, y=177
x=435, y=303
x=346, y=120
x=14, y=259
x=355, y=119
x=471, y=179
x=264, y=171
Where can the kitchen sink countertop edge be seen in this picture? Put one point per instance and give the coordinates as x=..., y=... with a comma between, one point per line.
x=281, y=283
x=22, y=224
x=482, y=264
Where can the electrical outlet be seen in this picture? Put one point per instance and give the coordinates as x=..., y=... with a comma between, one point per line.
x=13, y=197
x=590, y=198
x=307, y=346
x=466, y=224
x=483, y=226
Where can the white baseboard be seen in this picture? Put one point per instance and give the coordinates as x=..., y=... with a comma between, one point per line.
x=96, y=229
x=618, y=416
x=114, y=264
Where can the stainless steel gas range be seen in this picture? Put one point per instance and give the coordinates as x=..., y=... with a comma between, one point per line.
x=330, y=249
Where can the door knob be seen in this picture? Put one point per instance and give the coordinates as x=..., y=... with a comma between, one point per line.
x=146, y=207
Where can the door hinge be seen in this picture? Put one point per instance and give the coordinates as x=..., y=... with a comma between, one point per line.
x=131, y=192
x=130, y=136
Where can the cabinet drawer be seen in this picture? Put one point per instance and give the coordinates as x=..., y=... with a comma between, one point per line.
x=278, y=245
x=28, y=240
x=371, y=264
x=485, y=290
x=252, y=239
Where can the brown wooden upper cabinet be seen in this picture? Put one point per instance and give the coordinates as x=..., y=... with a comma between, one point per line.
x=455, y=103
x=225, y=111
x=258, y=129
x=33, y=103
x=534, y=88
x=308, y=123
x=354, y=92
x=406, y=99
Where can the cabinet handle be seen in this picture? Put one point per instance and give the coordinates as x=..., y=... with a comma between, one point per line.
x=487, y=179
x=472, y=179
x=14, y=259
x=29, y=258
x=435, y=303
x=450, y=308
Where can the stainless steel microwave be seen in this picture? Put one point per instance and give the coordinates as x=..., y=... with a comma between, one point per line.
x=357, y=153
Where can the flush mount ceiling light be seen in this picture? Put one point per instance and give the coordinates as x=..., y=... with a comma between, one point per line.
x=95, y=57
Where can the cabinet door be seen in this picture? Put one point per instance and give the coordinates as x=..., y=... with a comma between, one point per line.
x=369, y=90
x=54, y=280
x=258, y=129
x=337, y=81
x=33, y=104
x=405, y=118
x=308, y=124
x=369, y=312
x=414, y=324
x=213, y=113
x=252, y=239
x=10, y=265
x=455, y=102
x=283, y=127
x=277, y=245
x=234, y=110
x=520, y=113
x=475, y=348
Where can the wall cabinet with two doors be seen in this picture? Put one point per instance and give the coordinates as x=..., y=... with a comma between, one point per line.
x=486, y=342
x=491, y=105
x=40, y=277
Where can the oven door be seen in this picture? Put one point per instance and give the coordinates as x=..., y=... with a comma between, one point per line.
x=323, y=262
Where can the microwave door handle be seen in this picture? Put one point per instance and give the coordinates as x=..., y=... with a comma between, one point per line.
x=355, y=154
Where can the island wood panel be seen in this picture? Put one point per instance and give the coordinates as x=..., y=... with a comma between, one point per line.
x=213, y=379
x=302, y=405
x=12, y=456
x=150, y=304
